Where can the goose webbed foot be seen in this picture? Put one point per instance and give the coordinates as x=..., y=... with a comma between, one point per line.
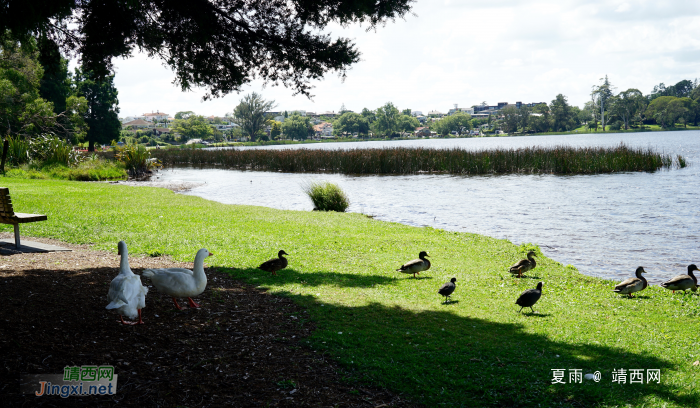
x=192, y=303
x=121, y=318
x=176, y=305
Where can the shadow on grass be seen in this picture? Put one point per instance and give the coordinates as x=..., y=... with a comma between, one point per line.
x=482, y=363
x=320, y=278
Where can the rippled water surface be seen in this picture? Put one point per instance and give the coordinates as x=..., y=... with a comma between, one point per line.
x=605, y=225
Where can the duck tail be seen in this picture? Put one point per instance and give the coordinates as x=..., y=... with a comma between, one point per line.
x=148, y=273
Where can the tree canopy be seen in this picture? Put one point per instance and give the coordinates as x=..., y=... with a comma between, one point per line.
x=250, y=115
x=459, y=122
x=194, y=127
x=217, y=44
x=297, y=127
x=350, y=123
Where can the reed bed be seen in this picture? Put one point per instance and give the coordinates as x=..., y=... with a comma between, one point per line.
x=401, y=160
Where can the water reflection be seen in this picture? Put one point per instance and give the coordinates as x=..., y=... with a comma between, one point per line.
x=605, y=225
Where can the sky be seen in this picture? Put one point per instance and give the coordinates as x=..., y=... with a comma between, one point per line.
x=467, y=52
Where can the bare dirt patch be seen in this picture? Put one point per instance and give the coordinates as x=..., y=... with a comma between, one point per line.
x=242, y=348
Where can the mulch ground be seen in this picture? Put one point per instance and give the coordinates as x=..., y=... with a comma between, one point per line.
x=242, y=348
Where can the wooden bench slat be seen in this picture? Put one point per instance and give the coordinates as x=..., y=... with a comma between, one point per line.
x=8, y=216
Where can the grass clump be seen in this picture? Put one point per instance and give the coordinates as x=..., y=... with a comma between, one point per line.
x=402, y=160
x=390, y=330
x=327, y=196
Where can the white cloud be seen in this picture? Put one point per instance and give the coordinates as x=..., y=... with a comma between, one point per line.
x=467, y=52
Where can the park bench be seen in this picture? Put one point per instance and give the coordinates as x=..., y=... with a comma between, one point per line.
x=9, y=216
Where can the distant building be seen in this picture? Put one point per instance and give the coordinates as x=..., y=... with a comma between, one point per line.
x=422, y=132
x=159, y=116
x=138, y=124
x=324, y=130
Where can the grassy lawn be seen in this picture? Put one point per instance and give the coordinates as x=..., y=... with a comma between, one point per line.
x=392, y=330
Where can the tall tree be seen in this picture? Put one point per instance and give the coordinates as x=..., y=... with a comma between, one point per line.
x=250, y=115
x=55, y=85
x=540, y=119
x=562, y=118
x=511, y=119
x=23, y=112
x=275, y=129
x=369, y=115
x=386, y=123
x=601, y=94
x=629, y=104
x=218, y=44
x=102, y=115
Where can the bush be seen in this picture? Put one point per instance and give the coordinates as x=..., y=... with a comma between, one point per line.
x=136, y=159
x=327, y=197
x=49, y=150
x=17, y=150
x=617, y=125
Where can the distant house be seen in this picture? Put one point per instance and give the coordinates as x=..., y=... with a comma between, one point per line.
x=435, y=114
x=422, y=132
x=137, y=124
x=324, y=130
x=160, y=130
x=155, y=116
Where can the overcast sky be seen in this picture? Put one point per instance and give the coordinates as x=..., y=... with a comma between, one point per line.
x=466, y=52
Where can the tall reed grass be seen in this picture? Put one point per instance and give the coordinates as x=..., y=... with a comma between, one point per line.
x=400, y=160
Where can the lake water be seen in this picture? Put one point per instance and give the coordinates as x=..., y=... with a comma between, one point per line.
x=605, y=225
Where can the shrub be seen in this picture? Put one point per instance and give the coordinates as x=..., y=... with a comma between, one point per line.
x=617, y=125
x=136, y=159
x=327, y=196
x=47, y=150
x=17, y=150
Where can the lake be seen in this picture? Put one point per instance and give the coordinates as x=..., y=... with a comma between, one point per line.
x=605, y=225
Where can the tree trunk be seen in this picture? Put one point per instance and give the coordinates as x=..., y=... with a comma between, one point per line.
x=5, y=146
x=91, y=146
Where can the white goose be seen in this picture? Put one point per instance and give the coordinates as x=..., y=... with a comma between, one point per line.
x=181, y=282
x=126, y=293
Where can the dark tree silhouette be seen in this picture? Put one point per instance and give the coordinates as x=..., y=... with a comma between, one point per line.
x=218, y=44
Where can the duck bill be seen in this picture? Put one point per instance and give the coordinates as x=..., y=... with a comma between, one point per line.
x=210, y=254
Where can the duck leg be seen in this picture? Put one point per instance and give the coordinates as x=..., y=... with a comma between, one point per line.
x=176, y=305
x=191, y=302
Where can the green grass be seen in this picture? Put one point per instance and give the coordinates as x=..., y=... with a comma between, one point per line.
x=392, y=330
x=91, y=170
x=402, y=160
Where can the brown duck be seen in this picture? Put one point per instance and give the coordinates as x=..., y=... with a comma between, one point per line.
x=416, y=266
x=275, y=264
x=631, y=285
x=683, y=282
x=524, y=265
